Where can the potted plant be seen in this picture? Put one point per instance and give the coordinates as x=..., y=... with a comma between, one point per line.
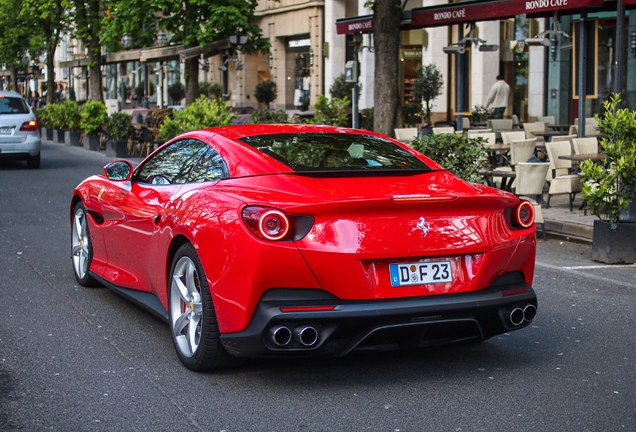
x=480, y=114
x=72, y=122
x=93, y=115
x=44, y=118
x=56, y=120
x=610, y=187
x=465, y=157
x=116, y=134
x=427, y=85
x=265, y=92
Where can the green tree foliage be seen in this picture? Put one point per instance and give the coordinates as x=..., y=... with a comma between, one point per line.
x=50, y=18
x=427, y=86
x=87, y=16
x=201, y=114
x=18, y=36
x=265, y=92
x=609, y=188
x=461, y=155
x=191, y=23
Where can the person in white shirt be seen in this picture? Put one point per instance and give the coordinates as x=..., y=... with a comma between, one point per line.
x=498, y=97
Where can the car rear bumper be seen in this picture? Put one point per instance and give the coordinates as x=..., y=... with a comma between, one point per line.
x=29, y=147
x=301, y=322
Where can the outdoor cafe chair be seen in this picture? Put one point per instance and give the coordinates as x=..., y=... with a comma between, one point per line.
x=529, y=184
x=522, y=150
x=405, y=135
x=590, y=130
x=443, y=130
x=508, y=137
x=563, y=181
x=529, y=128
x=499, y=124
x=585, y=145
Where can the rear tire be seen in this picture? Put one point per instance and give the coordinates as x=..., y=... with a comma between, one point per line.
x=81, y=247
x=195, y=330
x=33, y=162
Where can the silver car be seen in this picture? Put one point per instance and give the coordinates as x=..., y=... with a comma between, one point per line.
x=19, y=137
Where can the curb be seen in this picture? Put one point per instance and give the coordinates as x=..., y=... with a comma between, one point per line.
x=571, y=230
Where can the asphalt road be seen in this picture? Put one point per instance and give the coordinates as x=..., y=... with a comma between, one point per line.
x=77, y=359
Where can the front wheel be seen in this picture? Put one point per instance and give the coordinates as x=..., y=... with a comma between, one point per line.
x=81, y=247
x=195, y=331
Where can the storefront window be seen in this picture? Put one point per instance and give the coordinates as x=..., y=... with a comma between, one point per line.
x=518, y=68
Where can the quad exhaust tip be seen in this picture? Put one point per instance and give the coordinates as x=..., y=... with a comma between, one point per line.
x=520, y=315
x=304, y=335
x=280, y=335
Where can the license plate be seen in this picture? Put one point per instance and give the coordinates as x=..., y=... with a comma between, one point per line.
x=6, y=130
x=420, y=273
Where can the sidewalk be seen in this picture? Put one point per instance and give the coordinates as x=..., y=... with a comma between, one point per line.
x=561, y=222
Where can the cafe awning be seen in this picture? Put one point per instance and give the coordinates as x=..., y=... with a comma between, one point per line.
x=455, y=13
x=364, y=23
x=80, y=62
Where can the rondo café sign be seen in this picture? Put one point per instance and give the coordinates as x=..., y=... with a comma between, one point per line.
x=433, y=16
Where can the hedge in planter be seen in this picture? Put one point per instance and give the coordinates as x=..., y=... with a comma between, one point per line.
x=116, y=133
x=44, y=118
x=93, y=118
x=461, y=155
x=609, y=188
x=202, y=113
x=72, y=119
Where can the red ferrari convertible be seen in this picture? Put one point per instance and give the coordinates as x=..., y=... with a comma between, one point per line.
x=288, y=240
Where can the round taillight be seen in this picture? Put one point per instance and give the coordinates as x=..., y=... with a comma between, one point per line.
x=266, y=223
x=273, y=225
x=525, y=214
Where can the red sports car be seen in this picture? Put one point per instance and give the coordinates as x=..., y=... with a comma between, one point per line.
x=291, y=240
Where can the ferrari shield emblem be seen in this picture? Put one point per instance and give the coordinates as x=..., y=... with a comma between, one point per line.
x=101, y=192
x=424, y=226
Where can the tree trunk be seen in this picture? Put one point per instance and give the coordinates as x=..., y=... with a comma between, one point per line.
x=95, y=70
x=192, y=80
x=14, y=78
x=386, y=38
x=50, y=75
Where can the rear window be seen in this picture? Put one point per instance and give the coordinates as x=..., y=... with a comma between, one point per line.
x=13, y=105
x=319, y=152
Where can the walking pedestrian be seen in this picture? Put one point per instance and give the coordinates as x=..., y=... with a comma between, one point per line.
x=498, y=97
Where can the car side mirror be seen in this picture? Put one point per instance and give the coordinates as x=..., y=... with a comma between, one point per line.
x=118, y=171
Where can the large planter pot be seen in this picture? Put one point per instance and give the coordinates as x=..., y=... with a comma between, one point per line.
x=614, y=243
x=116, y=148
x=91, y=142
x=72, y=139
x=47, y=133
x=59, y=136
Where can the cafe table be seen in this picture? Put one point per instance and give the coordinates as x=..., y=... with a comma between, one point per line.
x=594, y=157
x=547, y=135
x=507, y=178
x=559, y=127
